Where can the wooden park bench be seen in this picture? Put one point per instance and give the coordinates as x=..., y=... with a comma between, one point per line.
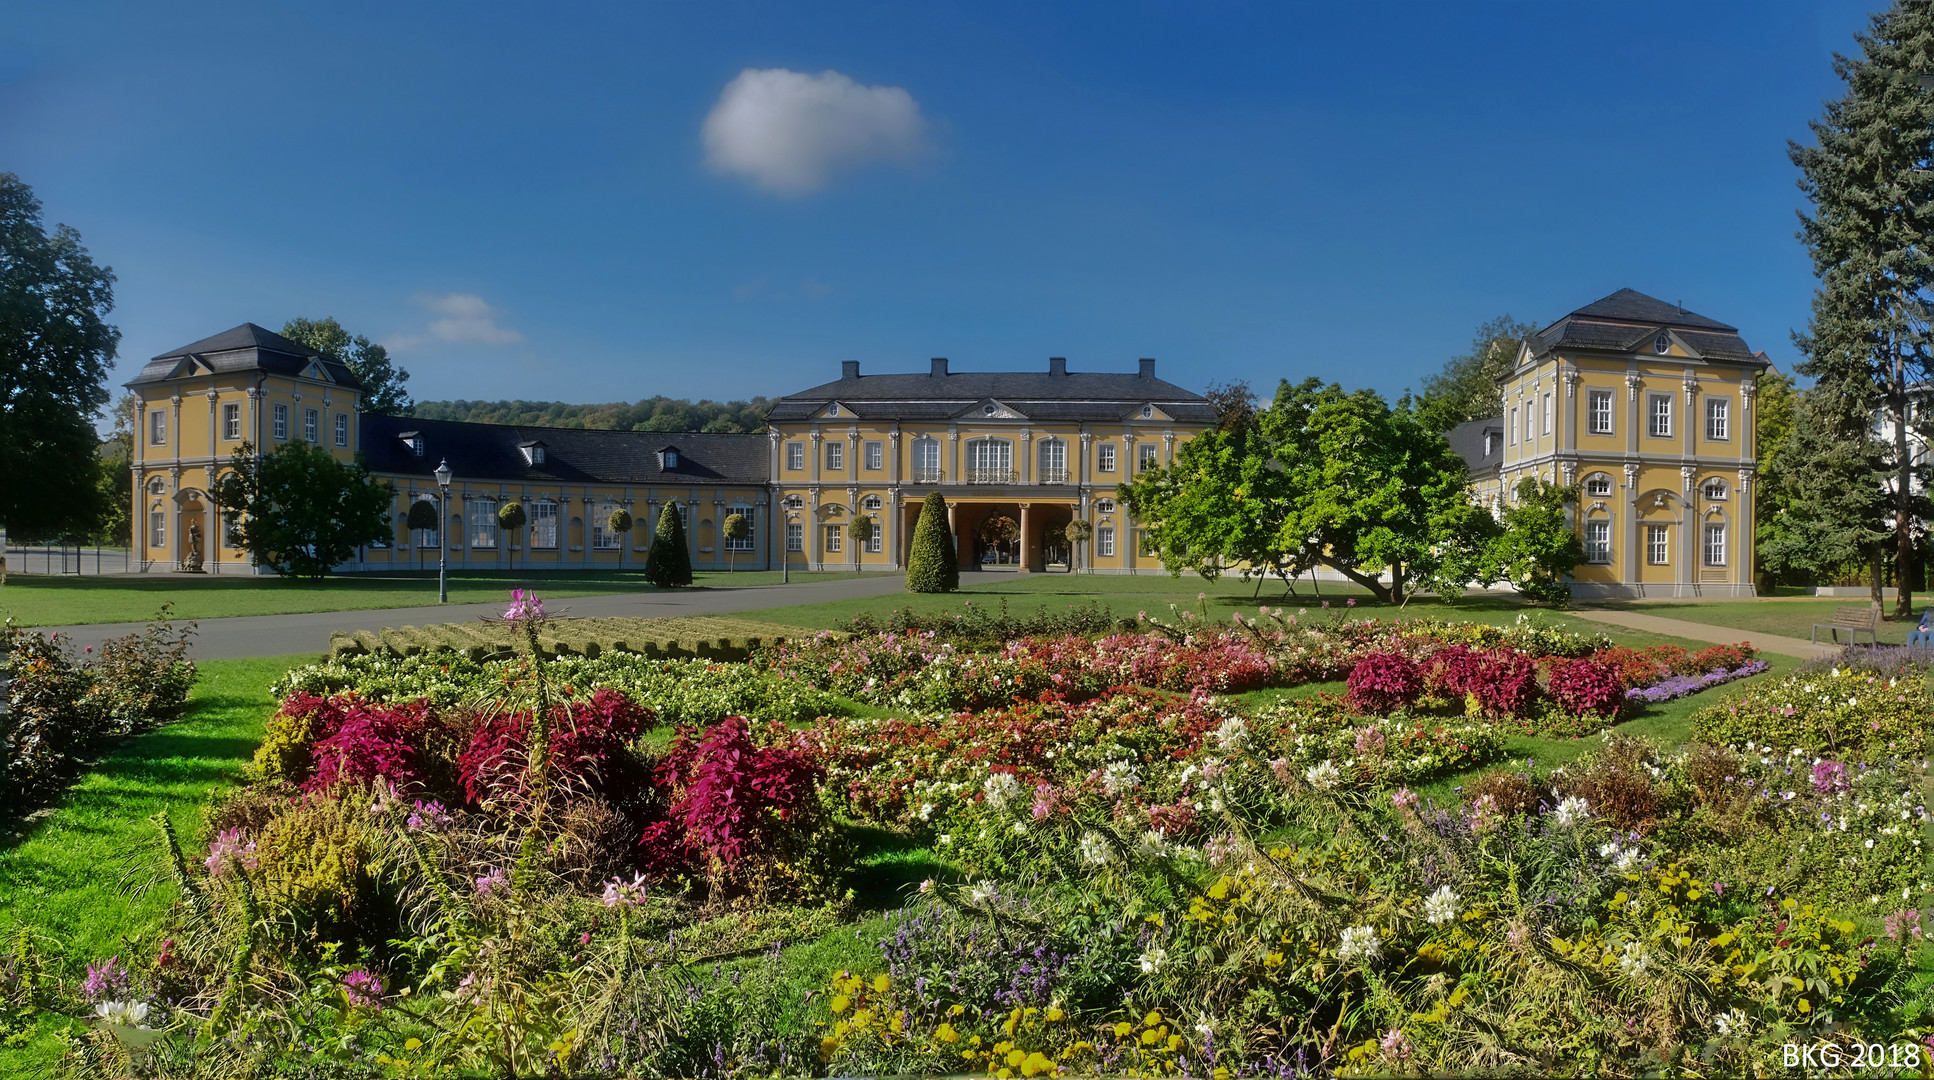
x=1855, y=619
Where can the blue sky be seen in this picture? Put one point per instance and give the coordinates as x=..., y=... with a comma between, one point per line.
x=604, y=206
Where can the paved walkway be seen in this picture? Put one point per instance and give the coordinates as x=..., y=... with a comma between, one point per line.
x=1720, y=635
x=284, y=635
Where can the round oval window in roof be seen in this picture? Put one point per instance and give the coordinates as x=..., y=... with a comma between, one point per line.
x=1662, y=345
x=987, y=410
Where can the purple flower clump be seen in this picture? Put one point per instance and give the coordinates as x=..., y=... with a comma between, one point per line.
x=1678, y=686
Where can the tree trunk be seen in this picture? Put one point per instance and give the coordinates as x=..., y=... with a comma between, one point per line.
x=1396, y=581
x=1377, y=588
x=1903, y=495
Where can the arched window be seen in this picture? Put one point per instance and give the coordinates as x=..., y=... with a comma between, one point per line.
x=990, y=461
x=1716, y=491
x=1598, y=485
x=793, y=502
x=483, y=523
x=157, y=486
x=871, y=502
x=602, y=536
x=926, y=460
x=157, y=525
x=1104, y=506
x=1054, y=462
x=543, y=525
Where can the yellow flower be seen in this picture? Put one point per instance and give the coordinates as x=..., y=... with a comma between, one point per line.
x=1149, y=1037
x=880, y=984
x=827, y=1046
x=1122, y=1029
x=1055, y=1014
x=956, y=1010
x=413, y=1045
x=1035, y=1064
x=1152, y=1018
x=840, y=1001
x=1174, y=1043
x=1802, y=1005
x=1014, y=1058
x=946, y=1033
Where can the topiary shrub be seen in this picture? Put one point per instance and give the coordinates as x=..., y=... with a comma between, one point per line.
x=933, y=566
x=511, y=518
x=669, y=563
x=1585, y=686
x=1382, y=683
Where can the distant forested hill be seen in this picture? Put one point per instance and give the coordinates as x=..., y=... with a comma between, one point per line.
x=651, y=414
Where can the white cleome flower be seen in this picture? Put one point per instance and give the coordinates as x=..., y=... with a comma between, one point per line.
x=122, y=1013
x=981, y=892
x=1324, y=775
x=1633, y=960
x=1628, y=860
x=1573, y=811
x=1000, y=788
x=1120, y=776
x=1442, y=906
x=1731, y=1023
x=1152, y=960
x=1359, y=943
x=1153, y=845
x=1095, y=850
x=1233, y=734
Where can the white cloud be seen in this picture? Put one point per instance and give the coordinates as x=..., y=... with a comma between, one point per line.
x=461, y=317
x=791, y=133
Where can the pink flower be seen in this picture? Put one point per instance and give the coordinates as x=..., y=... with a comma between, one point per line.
x=363, y=988
x=495, y=881
x=230, y=849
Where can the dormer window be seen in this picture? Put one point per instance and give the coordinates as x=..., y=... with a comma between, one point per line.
x=668, y=458
x=413, y=440
x=533, y=452
x=1662, y=344
x=1148, y=412
x=833, y=409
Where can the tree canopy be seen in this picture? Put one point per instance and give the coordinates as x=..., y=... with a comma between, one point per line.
x=1323, y=476
x=300, y=511
x=1467, y=387
x=1537, y=549
x=650, y=414
x=382, y=380
x=55, y=350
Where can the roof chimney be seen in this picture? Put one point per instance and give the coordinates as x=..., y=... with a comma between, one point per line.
x=939, y=366
x=1148, y=367
x=1057, y=365
x=849, y=369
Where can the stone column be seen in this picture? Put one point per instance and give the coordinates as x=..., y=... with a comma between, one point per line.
x=893, y=448
x=212, y=435
x=1027, y=540
x=815, y=536
x=895, y=521
x=174, y=547
x=1634, y=412
x=1635, y=531
x=817, y=452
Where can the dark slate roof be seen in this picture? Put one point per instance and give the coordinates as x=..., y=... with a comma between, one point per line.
x=1467, y=439
x=248, y=347
x=1626, y=320
x=571, y=455
x=1037, y=395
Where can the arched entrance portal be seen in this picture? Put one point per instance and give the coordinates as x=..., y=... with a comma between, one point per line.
x=998, y=541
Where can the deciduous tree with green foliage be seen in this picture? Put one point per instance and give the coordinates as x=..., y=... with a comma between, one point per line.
x=861, y=531
x=933, y=565
x=737, y=531
x=55, y=350
x=422, y=516
x=299, y=511
x=1870, y=178
x=669, y=562
x=1077, y=532
x=511, y=518
x=619, y=525
x=1467, y=387
x=1537, y=549
x=383, y=392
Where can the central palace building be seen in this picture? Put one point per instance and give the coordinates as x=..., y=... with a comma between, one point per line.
x=1645, y=404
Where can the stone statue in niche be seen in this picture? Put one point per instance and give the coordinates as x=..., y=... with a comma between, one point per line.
x=192, y=563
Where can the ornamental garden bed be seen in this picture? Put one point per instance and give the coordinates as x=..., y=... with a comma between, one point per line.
x=1107, y=864
x=698, y=636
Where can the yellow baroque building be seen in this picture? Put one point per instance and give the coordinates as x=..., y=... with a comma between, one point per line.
x=1649, y=408
x=1015, y=454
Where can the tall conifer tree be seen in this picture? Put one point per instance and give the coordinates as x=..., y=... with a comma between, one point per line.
x=1870, y=177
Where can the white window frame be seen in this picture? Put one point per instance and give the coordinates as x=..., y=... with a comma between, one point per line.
x=1598, y=405
x=1716, y=543
x=1105, y=542
x=1054, y=461
x=1715, y=489
x=1658, y=545
x=1547, y=420
x=835, y=534
x=990, y=460
x=1658, y=416
x=602, y=538
x=157, y=427
x=1719, y=419
x=875, y=456
x=795, y=457
x=751, y=528
x=795, y=536
x=279, y=426
x=483, y=524
x=1512, y=427
x=231, y=422
x=312, y=426
x=1105, y=457
x=872, y=502
x=926, y=457
x=835, y=456
x=1598, y=542
x=1104, y=506
x=1598, y=478
x=876, y=542
x=1144, y=546
x=427, y=538
x=157, y=527
x=1147, y=456
x=543, y=525
x=342, y=429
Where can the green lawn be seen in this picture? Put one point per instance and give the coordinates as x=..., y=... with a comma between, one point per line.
x=42, y=600
x=1786, y=617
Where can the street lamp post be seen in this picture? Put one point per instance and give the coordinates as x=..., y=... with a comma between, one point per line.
x=443, y=542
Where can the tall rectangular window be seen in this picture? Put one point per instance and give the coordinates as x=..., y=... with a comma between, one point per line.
x=926, y=461
x=876, y=543
x=835, y=456
x=483, y=523
x=744, y=543
x=1105, y=458
x=342, y=429
x=1715, y=545
x=309, y=426
x=833, y=535
x=231, y=422
x=1600, y=402
x=875, y=455
x=1547, y=426
x=543, y=526
x=1513, y=426
x=157, y=528
x=1598, y=542
x=795, y=536
x=281, y=424
x=1146, y=453
x=795, y=456
x=1659, y=410
x=1105, y=542
x=1719, y=418
x=1657, y=551
x=158, y=427
x=603, y=538
x=1054, y=462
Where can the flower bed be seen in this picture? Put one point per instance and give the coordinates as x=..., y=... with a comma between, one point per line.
x=1678, y=686
x=1843, y=711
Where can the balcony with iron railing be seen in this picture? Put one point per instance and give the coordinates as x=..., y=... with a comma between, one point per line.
x=982, y=475
x=1050, y=475
x=926, y=474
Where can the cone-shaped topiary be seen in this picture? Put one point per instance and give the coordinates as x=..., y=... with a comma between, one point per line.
x=932, y=565
x=669, y=563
